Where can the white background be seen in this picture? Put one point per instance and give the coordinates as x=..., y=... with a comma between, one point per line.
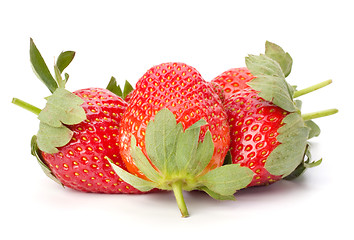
x=124, y=39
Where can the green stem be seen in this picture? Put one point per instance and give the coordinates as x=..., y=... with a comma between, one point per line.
x=177, y=190
x=312, y=88
x=323, y=113
x=60, y=81
x=26, y=106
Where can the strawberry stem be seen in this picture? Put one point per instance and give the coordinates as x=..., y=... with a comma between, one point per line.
x=312, y=88
x=26, y=106
x=177, y=190
x=318, y=114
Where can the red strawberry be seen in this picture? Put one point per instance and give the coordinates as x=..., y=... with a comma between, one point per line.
x=81, y=163
x=254, y=125
x=174, y=135
x=268, y=133
x=77, y=131
x=233, y=80
x=181, y=89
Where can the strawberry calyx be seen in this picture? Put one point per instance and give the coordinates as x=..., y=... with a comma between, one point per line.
x=178, y=160
x=270, y=71
x=62, y=108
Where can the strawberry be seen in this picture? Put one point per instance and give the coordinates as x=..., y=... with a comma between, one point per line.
x=254, y=125
x=268, y=132
x=181, y=89
x=77, y=131
x=174, y=135
x=233, y=80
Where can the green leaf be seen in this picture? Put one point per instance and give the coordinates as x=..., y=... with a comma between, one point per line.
x=49, y=137
x=64, y=60
x=40, y=68
x=160, y=140
x=62, y=107
x=270, y=81
x=131, y=179
x=127, y=89
x=142, y=162
x=283, y=58
x=114, y=87
x=45, y=168
x=289, y=154
x=225, y=180
x=314, y=129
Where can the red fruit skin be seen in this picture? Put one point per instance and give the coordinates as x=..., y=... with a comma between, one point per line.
x=233, y=80
x=80, y=164
x=181, y=89
x=254, y=125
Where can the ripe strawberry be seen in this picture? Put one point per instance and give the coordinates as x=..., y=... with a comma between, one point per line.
x=181, y=89
x=174, y=136
x=268, y=133
x=233, y=80
x=77, y=131
x=254, y=125
x=81, y=163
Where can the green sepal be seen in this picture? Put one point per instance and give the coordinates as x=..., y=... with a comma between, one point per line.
x=193, y=156
x=136, y=182
x=63, y=107
x=306, y=163
x=64, y=59
x=216, y=195
x=298, y=104
x=49, y=138
x=117, y=90
x=35, y=152
x=161, y=140
x=288, y=155
x=201, y=158
x=114, y=87
x=143, y=163
x=283, y=58
x=228, y=158
x=128, y=88
x=270, y=81
x=314, y=129
x=225, y=180
x=40, y=68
